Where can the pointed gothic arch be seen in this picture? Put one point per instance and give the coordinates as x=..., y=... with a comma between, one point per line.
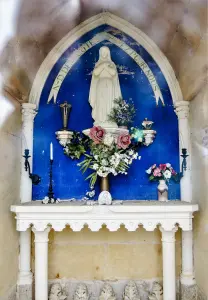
x=90, y=24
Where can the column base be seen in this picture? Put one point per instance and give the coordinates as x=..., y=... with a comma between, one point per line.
x=24, y=292
x=24, y=286
x=25, y=278
x=189, y=292
x=187, y=279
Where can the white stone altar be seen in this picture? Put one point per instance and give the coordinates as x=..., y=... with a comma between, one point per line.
x=131, y=214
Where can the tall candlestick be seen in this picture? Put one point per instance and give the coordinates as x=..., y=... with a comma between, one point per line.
x=51, y=151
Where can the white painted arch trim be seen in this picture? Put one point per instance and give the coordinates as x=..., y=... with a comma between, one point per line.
x=90, y=24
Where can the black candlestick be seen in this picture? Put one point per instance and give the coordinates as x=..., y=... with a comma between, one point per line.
x=34, y=177
x=50, y=187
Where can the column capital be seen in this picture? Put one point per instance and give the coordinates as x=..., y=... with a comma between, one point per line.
x=182, y=109
x=41, y=236
x=28, y=111
x=168, y=235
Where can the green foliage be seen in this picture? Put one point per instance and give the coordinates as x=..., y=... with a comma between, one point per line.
x=123, y=113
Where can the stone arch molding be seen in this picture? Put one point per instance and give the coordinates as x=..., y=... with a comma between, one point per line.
x=118, y=23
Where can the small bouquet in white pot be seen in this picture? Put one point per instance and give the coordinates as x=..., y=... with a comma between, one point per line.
x=163, y=174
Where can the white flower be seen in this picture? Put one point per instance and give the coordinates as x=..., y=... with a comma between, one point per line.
x=95, y=166
x=135, y=156
x=149, y=171
x=91, y=194
x=168, y=165
x=108, y=139
x=96, y=157
x=167, y=174
x=104, y=162
x=131, y=152
x=139, y=157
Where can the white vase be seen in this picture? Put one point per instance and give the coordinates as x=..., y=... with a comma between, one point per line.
x=162, y=191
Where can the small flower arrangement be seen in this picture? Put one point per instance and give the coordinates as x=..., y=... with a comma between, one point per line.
x=123, y=112
x=161, y=172
x=77, y=146
x=108, y=155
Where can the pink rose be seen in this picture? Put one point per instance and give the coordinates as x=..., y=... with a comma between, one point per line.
x=123, y=141
x=97, y=134
x=162, y=167
x=156, y=172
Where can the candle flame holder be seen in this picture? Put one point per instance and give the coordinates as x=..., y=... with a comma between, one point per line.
x=36, y=179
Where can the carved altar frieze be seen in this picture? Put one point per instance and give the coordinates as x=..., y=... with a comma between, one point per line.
x=56, y=292
x=157, y=292
x=81, y=292
x=107, y=293
x=131, y=291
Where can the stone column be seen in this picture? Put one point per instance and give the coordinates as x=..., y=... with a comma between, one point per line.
x=28, y=115
x=169, y=274
x=182, y=111
x=41, y=264
x=24, y=282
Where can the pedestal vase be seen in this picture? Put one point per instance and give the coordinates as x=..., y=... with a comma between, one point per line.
x=162, y=191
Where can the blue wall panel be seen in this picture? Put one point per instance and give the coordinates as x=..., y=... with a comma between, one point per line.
x=68, y=180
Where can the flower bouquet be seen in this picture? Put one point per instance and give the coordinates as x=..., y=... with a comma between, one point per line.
x=108, y=154
x=162, y=173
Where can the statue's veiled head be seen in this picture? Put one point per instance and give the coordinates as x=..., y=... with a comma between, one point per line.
x=104, y=53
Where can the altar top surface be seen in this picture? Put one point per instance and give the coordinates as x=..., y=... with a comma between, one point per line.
x=117, y=206
x=131, y=214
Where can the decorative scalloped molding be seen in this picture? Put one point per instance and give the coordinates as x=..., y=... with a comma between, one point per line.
x=131, y=216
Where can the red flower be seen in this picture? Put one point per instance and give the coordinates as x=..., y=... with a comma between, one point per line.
x=123, y=141
x=173, y=172
x=97, y=134
x=162, y=167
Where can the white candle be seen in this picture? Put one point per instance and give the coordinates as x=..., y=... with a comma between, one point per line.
x=51, y=151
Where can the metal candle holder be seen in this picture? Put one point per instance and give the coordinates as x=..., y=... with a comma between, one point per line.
x=36, y=179
x=184, y=155
x=64, y=135
x=65, y=112
x=50, y=187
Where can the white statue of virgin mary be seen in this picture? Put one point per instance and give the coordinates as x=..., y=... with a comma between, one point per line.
x=104, y=89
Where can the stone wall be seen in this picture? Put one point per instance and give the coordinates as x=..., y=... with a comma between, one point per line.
x=199, y=128
x=107, y=255
x=9, y=192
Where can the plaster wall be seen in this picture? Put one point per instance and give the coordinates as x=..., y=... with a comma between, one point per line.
x=199, y=130
x=106, y=255
x=10, y=121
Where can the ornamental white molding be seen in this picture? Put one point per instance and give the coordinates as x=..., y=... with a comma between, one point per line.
x=28, y=112
x=148, y=214
x=182, y=109
x=90, y=24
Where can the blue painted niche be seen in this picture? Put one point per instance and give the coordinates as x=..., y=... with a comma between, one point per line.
x=68, y=180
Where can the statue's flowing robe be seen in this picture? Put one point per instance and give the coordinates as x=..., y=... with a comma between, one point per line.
x=104, y=89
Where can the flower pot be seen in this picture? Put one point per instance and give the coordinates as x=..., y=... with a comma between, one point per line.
x=104, y=183
x=162, y=191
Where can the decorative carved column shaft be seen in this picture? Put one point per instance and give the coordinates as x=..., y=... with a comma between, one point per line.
x=41, y=264
x=28, y=115
x=169, y=274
